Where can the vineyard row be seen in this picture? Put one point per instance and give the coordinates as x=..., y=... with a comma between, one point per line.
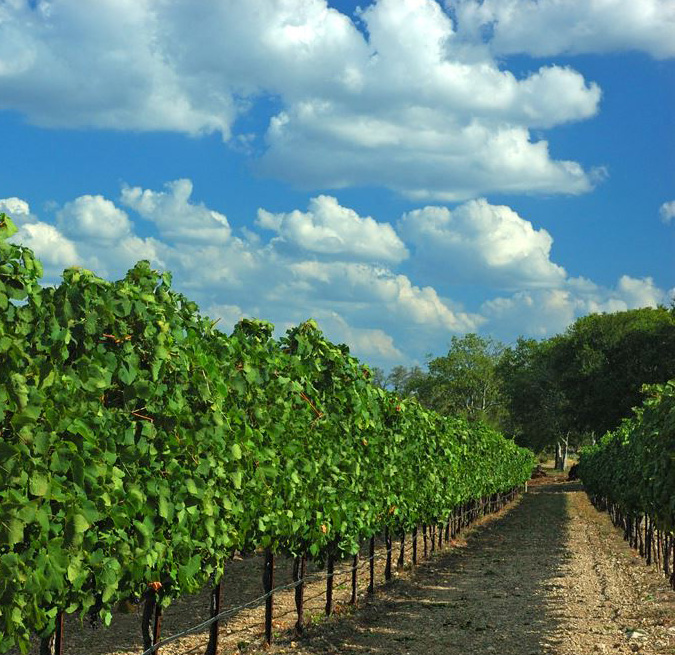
x=631, y=474
x=140, y=447
x=409, y=552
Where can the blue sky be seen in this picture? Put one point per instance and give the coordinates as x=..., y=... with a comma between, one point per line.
x=403, y=172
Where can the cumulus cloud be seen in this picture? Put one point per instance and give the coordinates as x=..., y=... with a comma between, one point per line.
x=53, y=249
x=667, y=211
x=104, y=64
x=322, y=264
x=175, y=216
x=543, y=312
x=429, y=118
x=550, y=27
x=330, y=229
x=93, y=217
x=480, y=243
x=89, y=231
x=371, y=344
x=372, y=289
x=226, y=315
x=17, y=209
x=404, y=103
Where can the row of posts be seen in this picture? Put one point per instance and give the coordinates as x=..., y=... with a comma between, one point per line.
x=643, y=534
x=432, y=538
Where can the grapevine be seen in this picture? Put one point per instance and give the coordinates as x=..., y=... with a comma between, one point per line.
x=140, y=447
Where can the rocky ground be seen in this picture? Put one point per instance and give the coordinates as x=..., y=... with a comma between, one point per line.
x=550, y=575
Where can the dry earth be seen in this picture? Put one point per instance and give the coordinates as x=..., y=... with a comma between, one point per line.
x=550, y=575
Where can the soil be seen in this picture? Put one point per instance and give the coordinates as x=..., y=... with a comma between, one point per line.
x=548, y=575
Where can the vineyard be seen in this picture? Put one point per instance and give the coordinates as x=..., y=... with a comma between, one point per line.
x=141, y=448
x=631, y=474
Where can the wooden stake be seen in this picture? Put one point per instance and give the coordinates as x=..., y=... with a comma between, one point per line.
x=268, y=585
x=371, y=585
x=212, y=646
x=299, y=566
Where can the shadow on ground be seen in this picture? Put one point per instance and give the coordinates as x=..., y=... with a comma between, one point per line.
x=488, y=596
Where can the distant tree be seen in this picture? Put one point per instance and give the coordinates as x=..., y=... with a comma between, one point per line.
x=463, y=382
x=400, y=379
x=536, y=408
x=377, y=377
x=603, y=360
x=580, y=384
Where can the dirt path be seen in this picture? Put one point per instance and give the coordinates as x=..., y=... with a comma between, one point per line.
x=552, y=576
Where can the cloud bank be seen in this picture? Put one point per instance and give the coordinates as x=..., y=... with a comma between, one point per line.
x=389, y=292
x=396, y=97
x=550, y=27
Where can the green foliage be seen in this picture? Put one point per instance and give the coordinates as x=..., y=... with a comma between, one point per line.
x=538, y=411
x=634, y=466
x=463, y=382
x=588, y=379
x=138, y=444
x=604, y=359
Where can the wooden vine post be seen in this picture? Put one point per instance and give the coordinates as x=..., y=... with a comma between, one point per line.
x=355, y=575
x=53, y=645
x=152, y=616
x=212, y=646
x=299, y=567
x=414, y=546
x=401, y=552
x=387, y=567
x=268, y=585
x=371, y=553
x=330, y=574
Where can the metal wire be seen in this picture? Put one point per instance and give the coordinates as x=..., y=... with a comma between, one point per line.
x=250, y=605
x=361, y=564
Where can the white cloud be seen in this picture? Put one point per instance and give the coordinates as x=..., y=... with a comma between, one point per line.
x=410, y=106
x=480, y=243
x=175, y=216
x=327, y=228
x=373, y=290
x=93, y=217
x=544, y=312
x=430, y=119
x=370, y=344
x=17, y=209
x=667, y=211
x=90, y=231
x=105, y=64
x=53, y=249
x=227, y=316
x=386, y=317
x=639, y=292
x=551, y=27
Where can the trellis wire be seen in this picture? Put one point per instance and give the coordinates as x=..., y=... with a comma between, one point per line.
x=468, y=512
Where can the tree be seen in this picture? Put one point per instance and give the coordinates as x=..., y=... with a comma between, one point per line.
x=537, y=412
x=401, y=379
x=580, y=384
x=463, y=382
x=377, y=377
x=604, y=359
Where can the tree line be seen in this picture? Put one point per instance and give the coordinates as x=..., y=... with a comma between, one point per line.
x=550, y=394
